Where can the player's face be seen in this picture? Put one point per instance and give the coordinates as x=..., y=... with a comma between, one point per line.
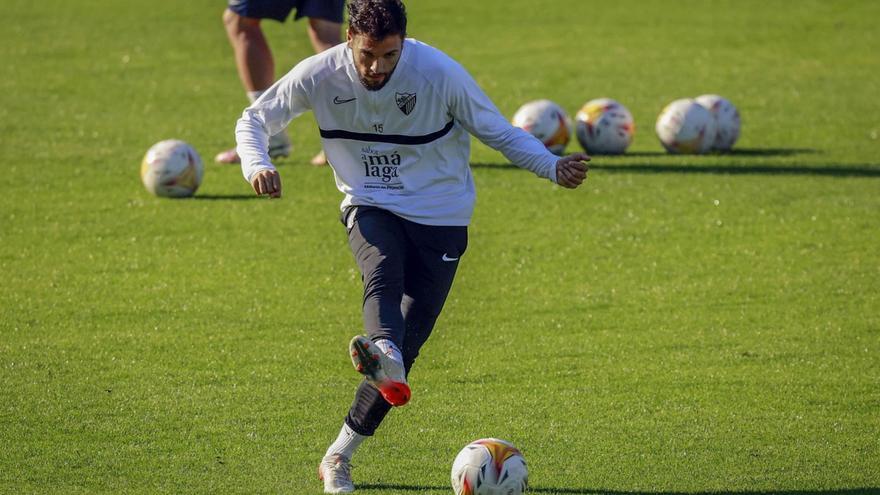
x=375, y=60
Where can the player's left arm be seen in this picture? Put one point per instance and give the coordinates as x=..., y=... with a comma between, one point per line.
x=478, y=115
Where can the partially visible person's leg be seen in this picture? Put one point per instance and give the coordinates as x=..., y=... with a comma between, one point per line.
x=256, y=67
x=253, y=58
x=324, y=34
x=325, y=31
x=325, y=21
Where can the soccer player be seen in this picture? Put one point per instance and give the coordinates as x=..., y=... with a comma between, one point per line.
x=256, y=67
x=394, y=117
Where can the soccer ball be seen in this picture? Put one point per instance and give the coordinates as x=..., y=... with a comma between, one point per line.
x=604, y=127
x=489, y=467
x=172, y=169
x=726, y=120
x=685, y=126
x=546, y=121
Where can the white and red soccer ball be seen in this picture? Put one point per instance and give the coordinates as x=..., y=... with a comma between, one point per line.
x=489, y=466
x=686, y=127
x=699, y=125
x=726, y=120
x=604, y=127
x=547, y=121
x=172, y=168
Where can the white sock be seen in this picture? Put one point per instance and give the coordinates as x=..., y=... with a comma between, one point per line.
x=279, y=140
x=389, y=349
x=253, y=95
x=346, y=443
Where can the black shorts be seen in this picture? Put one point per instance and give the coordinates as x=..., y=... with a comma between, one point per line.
x=330, y=10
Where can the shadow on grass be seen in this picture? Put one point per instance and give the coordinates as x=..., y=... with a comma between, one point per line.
x=869, y=171
x=225, y=197
x=591, y=491
x=742, y=152
x=599, y=491
x=402, y=488
x=635, y=163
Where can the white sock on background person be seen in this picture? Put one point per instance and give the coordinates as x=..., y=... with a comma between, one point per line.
x=346, y=443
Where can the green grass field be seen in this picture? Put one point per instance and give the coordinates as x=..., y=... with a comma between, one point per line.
x=677, y=325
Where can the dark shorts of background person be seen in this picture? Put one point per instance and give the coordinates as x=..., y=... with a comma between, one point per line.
x=407, y=270
x=330, y=10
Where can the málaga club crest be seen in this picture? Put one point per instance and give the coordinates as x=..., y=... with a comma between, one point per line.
x=405, y=102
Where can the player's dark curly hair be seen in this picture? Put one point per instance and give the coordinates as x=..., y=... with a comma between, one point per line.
x=377, y=19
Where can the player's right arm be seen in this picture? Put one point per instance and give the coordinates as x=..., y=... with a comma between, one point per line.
x=267, y=116
x=267, y=182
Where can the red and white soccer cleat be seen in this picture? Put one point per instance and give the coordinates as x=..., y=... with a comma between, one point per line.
x=380, y=370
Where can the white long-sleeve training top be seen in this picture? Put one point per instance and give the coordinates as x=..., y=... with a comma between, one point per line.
x=404, y=148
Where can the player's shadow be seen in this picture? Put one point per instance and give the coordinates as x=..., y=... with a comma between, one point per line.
x=401, y=488
x=599, y=491
x=226, y=197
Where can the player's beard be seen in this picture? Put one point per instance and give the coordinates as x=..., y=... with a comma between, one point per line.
x=376, y=86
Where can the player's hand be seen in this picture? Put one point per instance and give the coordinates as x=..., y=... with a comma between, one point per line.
x=571, y=170
x=267, y=182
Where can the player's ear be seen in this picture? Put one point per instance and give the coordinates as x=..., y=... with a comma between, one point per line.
x=348, y=36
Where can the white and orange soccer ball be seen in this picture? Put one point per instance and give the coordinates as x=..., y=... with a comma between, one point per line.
x=726, y=120
x=686, y=127
x=488, y=467
x=604, y=127
x=172, y=169
x=547, y=121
